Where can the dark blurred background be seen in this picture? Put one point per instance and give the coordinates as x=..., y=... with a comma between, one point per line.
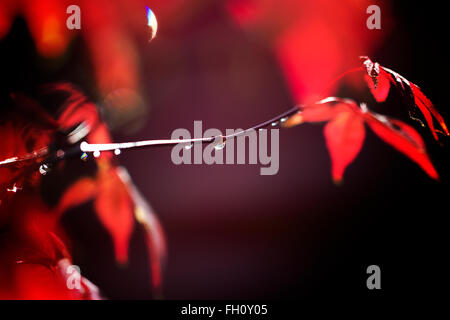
x=231, y=232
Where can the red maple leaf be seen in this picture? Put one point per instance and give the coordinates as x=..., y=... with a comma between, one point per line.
x=380, y=79
x=34, y=259
x=117, y=202
x=345, y=132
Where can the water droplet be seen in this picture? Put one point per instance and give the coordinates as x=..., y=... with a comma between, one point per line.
x=284, y=119
x=44, y=169
x=220, y=144
x=273, y=124
x=117, y=152
x=84, y=156
x=189, y=146
x=96, y=153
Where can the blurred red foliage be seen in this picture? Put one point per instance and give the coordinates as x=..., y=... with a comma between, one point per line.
x=345, y=133
x=34, y=257
x=313, y=39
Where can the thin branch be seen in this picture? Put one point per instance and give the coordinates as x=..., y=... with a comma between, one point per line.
x=100, y=147
x=44, y=156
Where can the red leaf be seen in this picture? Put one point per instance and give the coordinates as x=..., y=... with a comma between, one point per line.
x=411, y=93
x=76, y=108
x=426, y=106
x=403, y=138
x=78, y=193
x=344, y=136
x=344, y=133
x=86, y=289
x=114, y=209
x=112, y=201
x=112, y=204
x=34, y=281
x=155, y=239
x=381, y=91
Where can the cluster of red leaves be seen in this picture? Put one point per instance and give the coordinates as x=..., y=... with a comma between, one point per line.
x=33, y=247
x=345, y=130
x=31, y=231
x=380, y=79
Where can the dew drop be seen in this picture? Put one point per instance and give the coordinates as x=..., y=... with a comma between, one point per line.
x=220, y=144
x=96, y=153
x=189, y=146
x=117, y=152
x=84, y=156
x=284, y=119
x=44, y=169
x=273, y=124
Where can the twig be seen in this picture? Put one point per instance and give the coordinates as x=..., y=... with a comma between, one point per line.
x=45, y=156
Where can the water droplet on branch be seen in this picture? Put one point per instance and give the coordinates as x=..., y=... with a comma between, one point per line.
x=44, y=169
x=84, y=156
x=220, y=144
